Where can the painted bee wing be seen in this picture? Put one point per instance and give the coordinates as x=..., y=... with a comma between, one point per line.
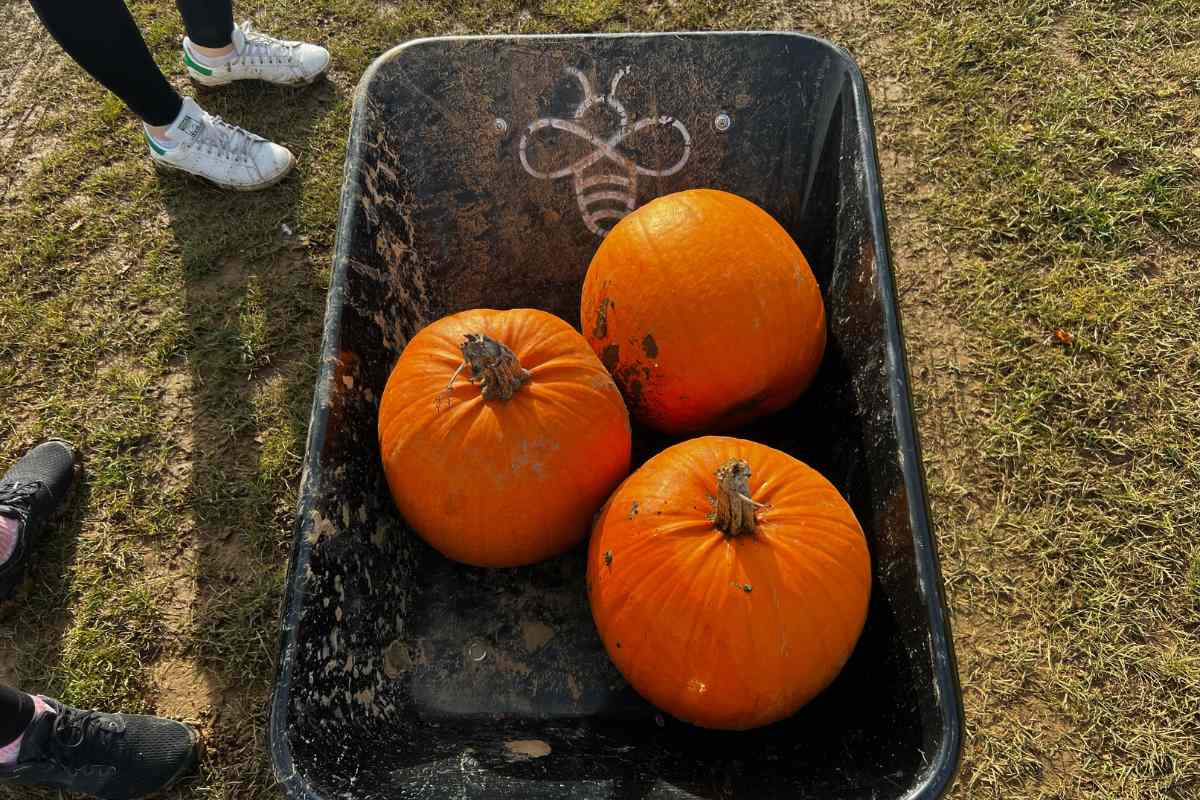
x=593, y=149
x=669, y=137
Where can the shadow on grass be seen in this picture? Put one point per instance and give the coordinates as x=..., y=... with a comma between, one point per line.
x=253, y=298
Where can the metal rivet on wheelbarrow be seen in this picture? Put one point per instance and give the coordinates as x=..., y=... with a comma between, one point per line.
x=463, y=678
x=476, y=651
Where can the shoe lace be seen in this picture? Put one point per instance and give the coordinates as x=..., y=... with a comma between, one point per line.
x=19, y=494
x=80, y=739
x=227, y=137
x=261, y=47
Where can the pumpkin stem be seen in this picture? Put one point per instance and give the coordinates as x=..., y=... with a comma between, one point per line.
x=493, y=366
x=735, y=514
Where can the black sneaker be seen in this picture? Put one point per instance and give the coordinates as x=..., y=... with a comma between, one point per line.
x=111, y=756
x=32, y=491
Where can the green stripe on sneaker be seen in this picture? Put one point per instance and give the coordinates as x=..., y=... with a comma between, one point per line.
x=153, y=144
x=191, y=62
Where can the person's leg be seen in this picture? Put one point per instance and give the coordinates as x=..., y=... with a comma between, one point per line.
x=47, y=743
x=102, y=38
x=210, y=33
x=217, y=52
x=103, y=755
x=16, y=712
x=209, y=24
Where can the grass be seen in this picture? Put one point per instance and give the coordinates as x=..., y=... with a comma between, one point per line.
x=1041, y=166
x=1066, y=199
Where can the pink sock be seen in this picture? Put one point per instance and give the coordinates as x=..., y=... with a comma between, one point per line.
x=10, y=751
x=8, y=537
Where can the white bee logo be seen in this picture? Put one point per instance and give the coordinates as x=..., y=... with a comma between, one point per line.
x=605, y=176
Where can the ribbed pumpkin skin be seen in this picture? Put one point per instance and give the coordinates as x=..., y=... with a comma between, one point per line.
x=668, y=590
x=501, y=483
x=705, y=311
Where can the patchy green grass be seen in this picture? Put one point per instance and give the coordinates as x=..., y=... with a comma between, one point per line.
x=1042, y=181
x=1064, y=194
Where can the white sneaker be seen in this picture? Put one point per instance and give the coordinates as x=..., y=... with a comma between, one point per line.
x=258, y=56
x=224, y=154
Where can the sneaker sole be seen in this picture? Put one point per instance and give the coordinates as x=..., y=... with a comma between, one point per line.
x=165, y=167
x=215, y=83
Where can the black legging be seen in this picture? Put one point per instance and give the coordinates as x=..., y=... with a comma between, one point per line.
x=102, y=37
x=16, y=712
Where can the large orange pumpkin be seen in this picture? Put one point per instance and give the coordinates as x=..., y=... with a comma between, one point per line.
x=705, y=311
x=501, y=434
x=728, y=581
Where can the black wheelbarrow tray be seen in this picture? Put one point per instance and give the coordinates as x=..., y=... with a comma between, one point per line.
x=482, y=172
